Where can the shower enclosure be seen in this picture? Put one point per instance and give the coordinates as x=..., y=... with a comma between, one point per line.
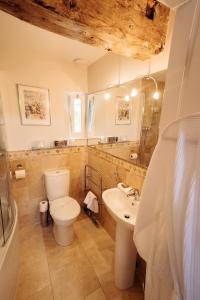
x=7, y=211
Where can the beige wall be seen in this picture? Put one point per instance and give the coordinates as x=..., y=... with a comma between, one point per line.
x=120, y=150
x=113, y=170
x=58, y=76
x=28, y=192
x=105, y=115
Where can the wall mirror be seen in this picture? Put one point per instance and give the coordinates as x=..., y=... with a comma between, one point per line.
x=124, y=120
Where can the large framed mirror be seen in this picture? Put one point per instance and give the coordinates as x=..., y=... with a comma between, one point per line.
x=123, y=120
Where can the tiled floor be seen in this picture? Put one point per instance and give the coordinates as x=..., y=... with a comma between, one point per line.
x=81, y=271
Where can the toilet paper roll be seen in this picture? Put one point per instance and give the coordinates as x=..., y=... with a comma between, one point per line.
x=133, y=156
x=19, y=174
x=43, y=206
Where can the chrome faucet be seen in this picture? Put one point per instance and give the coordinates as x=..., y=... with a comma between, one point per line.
x=134, y=193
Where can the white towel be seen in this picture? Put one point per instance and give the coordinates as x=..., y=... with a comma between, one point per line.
x=93, y=206
x=91, y=202
x=168, y=225
x=90, y=195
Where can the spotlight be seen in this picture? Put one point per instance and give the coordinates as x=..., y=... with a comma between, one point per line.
x=107, y=96
x=156, y=95
x=127, y=98
x=134, y=93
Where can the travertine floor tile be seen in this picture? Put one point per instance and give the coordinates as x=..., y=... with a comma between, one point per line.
x=58, y=256
x=102, y=261
x=32, y=278
x=96, y=295
x=44, y=294
x=112, y=292
x=81, y=271
x=75, y=280
x=92, y=236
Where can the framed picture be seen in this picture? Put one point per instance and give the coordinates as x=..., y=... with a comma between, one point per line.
x=123, y=112
x=34, y=105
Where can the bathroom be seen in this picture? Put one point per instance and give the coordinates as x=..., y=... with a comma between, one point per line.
x=90, y=141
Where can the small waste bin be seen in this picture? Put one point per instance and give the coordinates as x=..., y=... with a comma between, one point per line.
x=44, y=213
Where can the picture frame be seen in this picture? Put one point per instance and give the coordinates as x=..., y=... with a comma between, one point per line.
x=123, y=112
x=34, y=105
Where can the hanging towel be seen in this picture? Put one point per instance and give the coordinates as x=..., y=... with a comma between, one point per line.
x=167, y=232
x=90, y=195
x=91, y=202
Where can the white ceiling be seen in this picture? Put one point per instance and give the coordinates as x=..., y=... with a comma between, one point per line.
x=17, y=35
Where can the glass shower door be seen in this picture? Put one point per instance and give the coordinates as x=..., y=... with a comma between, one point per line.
x=6, y=203
x=2, y=240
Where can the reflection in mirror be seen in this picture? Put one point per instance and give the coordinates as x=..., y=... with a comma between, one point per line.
x=124, y=120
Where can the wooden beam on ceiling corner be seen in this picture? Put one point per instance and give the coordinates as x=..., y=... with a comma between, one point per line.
x=134, y=28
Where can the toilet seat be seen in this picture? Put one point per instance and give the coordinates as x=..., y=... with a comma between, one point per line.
x=64, y=210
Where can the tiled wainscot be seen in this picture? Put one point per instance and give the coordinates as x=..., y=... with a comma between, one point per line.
x=113, y=170
x=28, y=192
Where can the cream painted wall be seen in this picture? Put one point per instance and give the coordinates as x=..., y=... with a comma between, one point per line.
x=182, y=89
x=31, y=69
x=105, y=71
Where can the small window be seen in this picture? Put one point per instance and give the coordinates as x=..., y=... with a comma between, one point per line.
x=90, y=115
x=76, y=112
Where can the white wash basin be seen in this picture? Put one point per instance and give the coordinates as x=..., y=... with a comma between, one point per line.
x=124, y=210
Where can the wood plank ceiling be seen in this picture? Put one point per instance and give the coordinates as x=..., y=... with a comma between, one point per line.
x=134, y=28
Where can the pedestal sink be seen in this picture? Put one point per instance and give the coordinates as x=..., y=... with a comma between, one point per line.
x=124, y=210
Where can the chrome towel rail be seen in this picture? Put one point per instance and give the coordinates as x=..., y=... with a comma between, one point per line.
x=90, y=182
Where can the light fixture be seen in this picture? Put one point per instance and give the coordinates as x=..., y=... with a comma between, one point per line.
x=156, y=94
x=107, y=96
x=127, y=98
x=134, y=93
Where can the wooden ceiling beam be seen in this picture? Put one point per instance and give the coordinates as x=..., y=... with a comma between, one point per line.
x=134, y=28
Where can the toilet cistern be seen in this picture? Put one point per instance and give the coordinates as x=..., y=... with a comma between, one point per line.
x=63, y=209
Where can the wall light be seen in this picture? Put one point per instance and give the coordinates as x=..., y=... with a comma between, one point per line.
x=127, y=98
x=107, y=96
x=134, y=93
x=156, y=95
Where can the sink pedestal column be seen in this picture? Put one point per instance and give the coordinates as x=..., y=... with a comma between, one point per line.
x=125, y=257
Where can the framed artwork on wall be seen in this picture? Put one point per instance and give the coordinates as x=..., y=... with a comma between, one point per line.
x=34, y=105
x=123, y=112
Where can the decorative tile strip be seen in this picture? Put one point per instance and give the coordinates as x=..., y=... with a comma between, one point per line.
x=118, y=162
x=13, y=155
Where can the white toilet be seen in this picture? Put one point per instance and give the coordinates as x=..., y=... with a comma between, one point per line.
x=63, y=209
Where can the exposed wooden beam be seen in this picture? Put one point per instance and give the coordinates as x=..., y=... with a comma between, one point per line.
x=135, y=28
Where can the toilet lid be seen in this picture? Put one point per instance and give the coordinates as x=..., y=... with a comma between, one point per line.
x=65, y=208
